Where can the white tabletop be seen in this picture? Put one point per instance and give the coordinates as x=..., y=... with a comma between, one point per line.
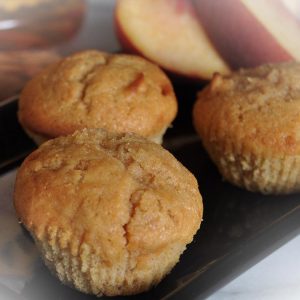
x=277, y=277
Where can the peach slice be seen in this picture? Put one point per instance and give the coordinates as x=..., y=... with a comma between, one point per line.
x=248, y=33
x=168, y=33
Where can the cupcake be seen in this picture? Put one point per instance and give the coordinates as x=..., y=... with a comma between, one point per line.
x=91, y=89
x=110, y=213
x=249, y=123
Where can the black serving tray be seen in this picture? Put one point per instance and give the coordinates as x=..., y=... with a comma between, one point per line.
x=239, y=228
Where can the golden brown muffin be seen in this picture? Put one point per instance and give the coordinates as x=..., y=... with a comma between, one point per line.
x=111, y=213
x=249, y=123
x=92, y=89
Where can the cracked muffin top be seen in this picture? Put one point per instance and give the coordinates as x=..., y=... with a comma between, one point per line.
x=117, y=193
x=257, y=108
x=92, y=89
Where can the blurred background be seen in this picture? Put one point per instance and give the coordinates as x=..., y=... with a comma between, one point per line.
x=35, y=33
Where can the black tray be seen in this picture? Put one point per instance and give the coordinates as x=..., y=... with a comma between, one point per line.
x=239, y=227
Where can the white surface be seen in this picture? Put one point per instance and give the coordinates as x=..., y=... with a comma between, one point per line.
x=97, y=31
x=18, y=255
x=277, y=277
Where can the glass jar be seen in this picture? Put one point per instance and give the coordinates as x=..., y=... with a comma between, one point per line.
x=27, y=24
x=31, y=32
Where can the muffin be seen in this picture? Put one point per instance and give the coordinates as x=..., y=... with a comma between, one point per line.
x=110, y=213
x=91, y=89
x=249, y=123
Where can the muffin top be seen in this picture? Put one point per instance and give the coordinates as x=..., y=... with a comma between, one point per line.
x=257, y=108
x=118, y=92
x=115, y=193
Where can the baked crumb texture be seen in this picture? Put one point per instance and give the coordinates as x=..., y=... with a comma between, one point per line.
x=92, y=89
x=111, y=214
x=249, y=123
